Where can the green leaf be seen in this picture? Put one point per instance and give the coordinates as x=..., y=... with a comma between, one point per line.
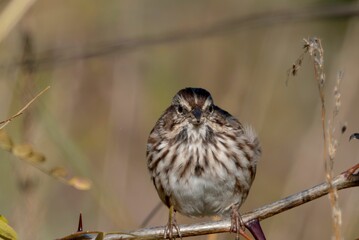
x=6, y=232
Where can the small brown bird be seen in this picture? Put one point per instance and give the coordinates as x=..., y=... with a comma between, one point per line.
x=201, y=159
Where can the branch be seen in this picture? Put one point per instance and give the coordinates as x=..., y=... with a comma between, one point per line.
x=269, y=18
x=347, y=179
x=21, y=111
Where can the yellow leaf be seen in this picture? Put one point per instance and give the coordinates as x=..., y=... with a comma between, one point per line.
x=6, y=232
x=22, y=150
x=80, y=183
x=5, y=141
x=58, y=172
x=36, y=157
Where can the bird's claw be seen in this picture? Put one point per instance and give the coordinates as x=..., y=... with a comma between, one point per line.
x=172, y=224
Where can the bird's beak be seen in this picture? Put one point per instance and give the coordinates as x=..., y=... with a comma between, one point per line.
x=197, y=113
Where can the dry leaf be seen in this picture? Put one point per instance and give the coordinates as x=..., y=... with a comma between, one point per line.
x=36, y=157
x=6, y=232
x=5, y=141
x=58, y=172
x=22, y=150
x=80, y=183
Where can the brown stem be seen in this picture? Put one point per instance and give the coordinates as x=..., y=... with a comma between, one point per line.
x=342, y=181
x=122, y=46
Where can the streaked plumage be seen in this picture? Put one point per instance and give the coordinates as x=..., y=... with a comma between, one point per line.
x=201, y=159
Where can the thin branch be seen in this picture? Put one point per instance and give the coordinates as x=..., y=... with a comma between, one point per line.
x=347, y=179
x=332, y=11
x=5, y=122
x=151, y=214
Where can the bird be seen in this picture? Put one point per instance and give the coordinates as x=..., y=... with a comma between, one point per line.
x=201, y=159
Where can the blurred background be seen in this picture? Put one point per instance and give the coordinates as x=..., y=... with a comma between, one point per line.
x=114, y=66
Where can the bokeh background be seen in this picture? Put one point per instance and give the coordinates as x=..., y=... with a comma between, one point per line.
x=114, y=66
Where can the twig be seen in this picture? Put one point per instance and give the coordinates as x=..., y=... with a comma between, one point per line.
x=347, y=179
x=120, y=46
x=151, y=214
x=5, y=122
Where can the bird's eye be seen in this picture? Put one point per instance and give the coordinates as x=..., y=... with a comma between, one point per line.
x=210, y=109
x=180, y=109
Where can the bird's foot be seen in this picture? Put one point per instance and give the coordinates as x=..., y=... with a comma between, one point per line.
x=237, y=224
x=172, y=224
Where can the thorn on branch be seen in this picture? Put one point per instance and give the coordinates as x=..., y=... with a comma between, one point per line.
x=347, y=179
x=255, y=228
x=353, y=171
x=80, y=228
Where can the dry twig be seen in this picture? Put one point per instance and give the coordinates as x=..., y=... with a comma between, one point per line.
x=347, y=179
x=6, y=122
x=120, y=46
x=36, y=159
